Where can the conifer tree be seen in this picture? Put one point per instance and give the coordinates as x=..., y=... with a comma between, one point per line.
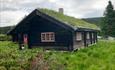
x=108, y=22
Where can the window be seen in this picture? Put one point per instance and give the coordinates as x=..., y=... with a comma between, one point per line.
x=92, y=35
x=88, y=37
x=79, y=36
x=48, y=37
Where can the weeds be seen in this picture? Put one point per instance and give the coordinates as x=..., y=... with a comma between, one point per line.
x=96, y=57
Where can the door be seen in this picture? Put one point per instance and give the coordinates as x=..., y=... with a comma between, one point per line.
x=25, y=38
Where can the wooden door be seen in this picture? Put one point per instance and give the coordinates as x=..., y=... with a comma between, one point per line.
x=25, y=38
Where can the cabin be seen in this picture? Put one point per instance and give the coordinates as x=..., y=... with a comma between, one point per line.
x=53, y=30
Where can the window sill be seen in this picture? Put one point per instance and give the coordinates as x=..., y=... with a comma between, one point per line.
x=47, y=41
x=78, y=40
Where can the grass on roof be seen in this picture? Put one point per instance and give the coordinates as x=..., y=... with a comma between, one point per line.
x=74, y=22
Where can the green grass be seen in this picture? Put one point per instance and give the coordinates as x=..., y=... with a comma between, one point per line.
x=74, y=22
x=12, y=57
x=97, y=57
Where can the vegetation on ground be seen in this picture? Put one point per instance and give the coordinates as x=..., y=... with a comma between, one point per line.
x=100, y=56
x=4, y=37
x=11, y=58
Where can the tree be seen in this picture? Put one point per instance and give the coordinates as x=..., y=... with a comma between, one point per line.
x=108, y=22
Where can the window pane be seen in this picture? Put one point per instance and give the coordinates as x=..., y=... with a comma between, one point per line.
x=88, y=37
x=47, y=37
x=92, y=35
x=43, y=36
x=79, y=36
x=52, y=36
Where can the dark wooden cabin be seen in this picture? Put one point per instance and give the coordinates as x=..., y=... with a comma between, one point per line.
x=53, y=30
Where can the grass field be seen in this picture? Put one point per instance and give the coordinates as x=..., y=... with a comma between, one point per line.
x=97, y=57
x=11, y=58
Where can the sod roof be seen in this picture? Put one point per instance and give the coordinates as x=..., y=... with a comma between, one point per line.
x=74, y=22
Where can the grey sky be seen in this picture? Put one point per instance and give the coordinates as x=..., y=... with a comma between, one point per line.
x=12, y=11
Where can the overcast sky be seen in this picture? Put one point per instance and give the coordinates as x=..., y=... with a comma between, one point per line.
x=12, y=11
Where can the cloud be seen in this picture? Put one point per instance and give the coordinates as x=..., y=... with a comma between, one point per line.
x=11, y=11
x=10, y=18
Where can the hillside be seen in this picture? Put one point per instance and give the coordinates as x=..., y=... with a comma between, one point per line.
x=4, y=30
x=96, y=20
x=96, y=57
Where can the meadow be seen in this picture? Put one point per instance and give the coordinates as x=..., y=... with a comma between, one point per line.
x=100, y=56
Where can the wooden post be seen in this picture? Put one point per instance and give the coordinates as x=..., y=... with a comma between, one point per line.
x=84, y=34
x=90, y=37
x=96, y=36
x=93, y=37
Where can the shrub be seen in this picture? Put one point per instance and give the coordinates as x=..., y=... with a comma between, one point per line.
x=2, y=68
x=15, y=68
x=4, y=37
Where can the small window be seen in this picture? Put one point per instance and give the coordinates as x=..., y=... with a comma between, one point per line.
x=92, y=35
x=79, y=36
x=88, y=37
x=48, y=37
x=43, y=37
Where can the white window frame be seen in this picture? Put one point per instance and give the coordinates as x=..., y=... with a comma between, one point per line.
x=47, y=37
x=88, y=35
x=78, y=36
x=92, y=35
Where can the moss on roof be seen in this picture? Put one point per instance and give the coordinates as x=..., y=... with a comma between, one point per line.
x=74, y=22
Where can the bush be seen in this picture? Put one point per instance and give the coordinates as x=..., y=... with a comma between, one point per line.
x=4, y=37
x=2, y=68
x=15, y=68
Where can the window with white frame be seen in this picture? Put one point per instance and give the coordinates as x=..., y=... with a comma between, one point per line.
x=92, y=35
x=88, y=36
x=78, y=36
x=48, y=37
